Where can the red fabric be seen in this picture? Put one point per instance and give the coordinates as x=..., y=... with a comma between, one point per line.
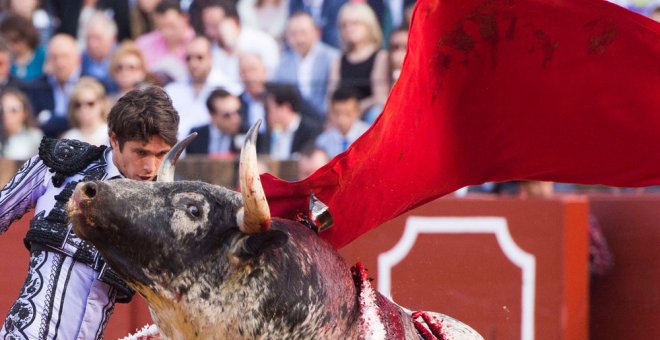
x=495, y=90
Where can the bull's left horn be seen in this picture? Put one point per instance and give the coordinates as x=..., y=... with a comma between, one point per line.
x=255, y=214
x=166, y=170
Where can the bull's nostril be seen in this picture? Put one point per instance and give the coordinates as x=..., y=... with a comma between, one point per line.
x=90, y=189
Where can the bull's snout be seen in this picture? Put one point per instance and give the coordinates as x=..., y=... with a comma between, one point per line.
x=88, y=190
x=82, y=196
x=84, y=192
x=79, y=207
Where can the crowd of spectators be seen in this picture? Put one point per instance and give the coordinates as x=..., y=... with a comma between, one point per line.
x=316, y=72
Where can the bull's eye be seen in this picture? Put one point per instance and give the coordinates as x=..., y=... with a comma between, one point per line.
x=193, y=210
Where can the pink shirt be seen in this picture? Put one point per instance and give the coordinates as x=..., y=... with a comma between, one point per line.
x=160, y=58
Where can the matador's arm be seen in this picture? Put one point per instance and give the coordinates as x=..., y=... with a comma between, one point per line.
x=21, y=193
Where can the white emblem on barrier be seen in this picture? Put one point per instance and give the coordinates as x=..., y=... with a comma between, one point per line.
x=466, y=225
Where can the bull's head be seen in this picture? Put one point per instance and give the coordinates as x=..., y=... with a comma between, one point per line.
x=210, y=262
x=150, y=232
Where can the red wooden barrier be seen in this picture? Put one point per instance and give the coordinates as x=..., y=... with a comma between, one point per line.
x=511, y=269
x=468, y=276
x=625, y=303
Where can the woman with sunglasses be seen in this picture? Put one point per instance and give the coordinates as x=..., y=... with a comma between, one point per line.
x=19, y=138
x=87, y=113
x=127, y=69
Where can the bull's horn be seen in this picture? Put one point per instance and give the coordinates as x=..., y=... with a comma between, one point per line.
x=166, y=170
x=255, y=214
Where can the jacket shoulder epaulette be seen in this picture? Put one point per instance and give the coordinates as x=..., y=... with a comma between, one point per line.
x=66, y=157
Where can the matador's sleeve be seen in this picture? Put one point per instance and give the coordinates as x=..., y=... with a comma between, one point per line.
x=21, y=193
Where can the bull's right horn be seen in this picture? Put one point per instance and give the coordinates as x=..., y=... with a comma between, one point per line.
x=254, y=216
x=166, y=170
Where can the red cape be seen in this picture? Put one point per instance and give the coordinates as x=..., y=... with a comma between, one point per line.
x=496, y=90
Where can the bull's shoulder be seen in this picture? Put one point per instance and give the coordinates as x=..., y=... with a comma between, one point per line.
x=66, y=157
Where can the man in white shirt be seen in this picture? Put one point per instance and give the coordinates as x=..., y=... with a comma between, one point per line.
x=253, y=77
x=307, y=63
x=189, y=96
x=344, y=121
x=223, y=26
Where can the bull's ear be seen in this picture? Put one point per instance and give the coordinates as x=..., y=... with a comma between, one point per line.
x=257, y=244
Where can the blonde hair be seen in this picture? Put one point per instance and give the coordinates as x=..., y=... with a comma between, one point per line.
x=128, y=47
x=362, y=13
x=84, y=84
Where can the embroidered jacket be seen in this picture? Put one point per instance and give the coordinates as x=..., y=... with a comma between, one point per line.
x=45, y=182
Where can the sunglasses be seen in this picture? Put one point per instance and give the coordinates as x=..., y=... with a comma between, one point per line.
x=80, y=104
x=197, y=57
x=131, y=67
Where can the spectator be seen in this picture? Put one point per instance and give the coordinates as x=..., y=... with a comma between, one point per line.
x=288, y=130
x=397, y=52
x=391, y=15
x=195, y=15
x=87, y=113
x=307, y=63
x=600, y=256
x=85, y=12
x=655, y=14
x=223, y=27
x=344, y=121
x=164, y=49
x=6, y=78
x=253, y=106
x=141, y=17
x=127, y=68
x=324, y=13
x=311, y=159
x=189, y=96
x=19, y=138
x=23, y=41
x=363, y=64
x=32, y=11
x=268, y=16
x=100, y=41
x=218, y=138
x=72, y=15
x=49, y=94
x=407, y=16
x=119, y=11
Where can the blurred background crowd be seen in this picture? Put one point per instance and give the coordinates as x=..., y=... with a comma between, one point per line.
x=317, y=72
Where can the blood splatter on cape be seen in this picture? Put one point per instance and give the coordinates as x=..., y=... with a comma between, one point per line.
x=496, y=90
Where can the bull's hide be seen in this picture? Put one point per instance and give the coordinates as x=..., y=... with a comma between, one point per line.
x=179, y=244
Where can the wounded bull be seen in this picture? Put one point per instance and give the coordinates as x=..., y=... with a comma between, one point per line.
x=212, y=264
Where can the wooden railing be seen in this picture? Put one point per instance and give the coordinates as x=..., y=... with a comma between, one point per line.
x=216, y=171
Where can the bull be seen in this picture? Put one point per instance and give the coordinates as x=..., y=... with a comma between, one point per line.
x=213, y=264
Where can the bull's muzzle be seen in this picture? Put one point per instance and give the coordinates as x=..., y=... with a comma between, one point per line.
x=79, y=206
x=83, y=193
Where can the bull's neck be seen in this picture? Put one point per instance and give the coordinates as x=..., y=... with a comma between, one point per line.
x=301, y=290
